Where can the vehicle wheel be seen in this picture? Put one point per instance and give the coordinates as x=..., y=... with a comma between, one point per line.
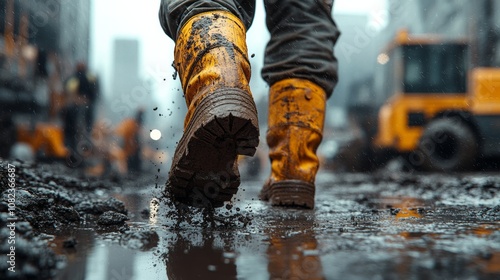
x=448, y=145
x=354, y=157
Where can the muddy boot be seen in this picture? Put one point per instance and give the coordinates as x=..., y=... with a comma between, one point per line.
x=212, y=61
x=296, y=119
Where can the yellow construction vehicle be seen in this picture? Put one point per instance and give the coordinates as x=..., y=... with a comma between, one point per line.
x=439, y=110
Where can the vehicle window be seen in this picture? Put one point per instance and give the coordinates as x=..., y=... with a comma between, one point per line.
x=435, y=68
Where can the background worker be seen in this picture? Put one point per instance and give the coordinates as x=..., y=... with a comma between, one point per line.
x=129, y=133
x=82, y=90
x=212, y=61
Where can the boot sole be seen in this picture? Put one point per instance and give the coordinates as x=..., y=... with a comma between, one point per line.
x=204, y=170
x=291, y=193
x=264, y=192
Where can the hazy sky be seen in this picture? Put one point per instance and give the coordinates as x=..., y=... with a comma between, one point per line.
x=139, y=19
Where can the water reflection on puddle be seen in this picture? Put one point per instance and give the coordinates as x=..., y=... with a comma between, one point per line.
x=286, y=244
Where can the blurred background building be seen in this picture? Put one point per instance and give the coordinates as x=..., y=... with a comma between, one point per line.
x=41, y=40
x=477, y=21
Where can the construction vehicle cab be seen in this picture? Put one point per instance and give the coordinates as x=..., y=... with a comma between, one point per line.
x=436, y=107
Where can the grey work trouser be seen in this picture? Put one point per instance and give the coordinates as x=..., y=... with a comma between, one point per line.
x=303, y=35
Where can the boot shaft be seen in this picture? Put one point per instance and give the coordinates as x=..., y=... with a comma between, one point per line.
x=211, y=53
x=296, y=120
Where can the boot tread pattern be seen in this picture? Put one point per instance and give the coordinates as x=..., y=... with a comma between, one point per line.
x=295, y=193
x=204, y=170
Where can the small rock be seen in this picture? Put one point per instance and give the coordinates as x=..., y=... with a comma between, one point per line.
x=112, y=218
x=145, y=213
x=70, y=242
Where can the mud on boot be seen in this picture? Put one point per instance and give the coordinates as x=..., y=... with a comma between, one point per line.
x=212, y=61
x=204, y=170
x=296, y=120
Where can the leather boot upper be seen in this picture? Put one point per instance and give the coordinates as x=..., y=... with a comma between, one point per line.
x=210, y=54
x=296, y=120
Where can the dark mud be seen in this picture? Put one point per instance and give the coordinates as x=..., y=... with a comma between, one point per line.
x=421, y=226
x=44, y=198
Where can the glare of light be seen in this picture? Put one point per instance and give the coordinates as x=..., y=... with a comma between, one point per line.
x=383, y=58
x=29, y=52
x=155, y=134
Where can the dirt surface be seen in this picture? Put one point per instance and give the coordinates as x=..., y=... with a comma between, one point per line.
x=50, y=198
x=387, y=225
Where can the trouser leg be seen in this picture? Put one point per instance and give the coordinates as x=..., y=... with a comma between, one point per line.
x=174, y=13
x=303, y=35
x=89, y=117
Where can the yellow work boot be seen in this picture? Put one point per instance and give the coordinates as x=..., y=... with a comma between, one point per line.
x=296, y=120
x=212, y=62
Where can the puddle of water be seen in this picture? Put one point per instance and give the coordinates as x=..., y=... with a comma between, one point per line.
x=110, y=261
x=284, y=244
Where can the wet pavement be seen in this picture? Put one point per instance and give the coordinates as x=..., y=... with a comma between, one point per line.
x=364, y=226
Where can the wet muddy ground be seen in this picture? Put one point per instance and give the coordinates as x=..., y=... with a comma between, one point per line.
x=364, y=226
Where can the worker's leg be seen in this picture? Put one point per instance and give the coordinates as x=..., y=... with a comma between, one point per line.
x=89, y=117
x=175, y=13
x=301, y=69
x=212, y=62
